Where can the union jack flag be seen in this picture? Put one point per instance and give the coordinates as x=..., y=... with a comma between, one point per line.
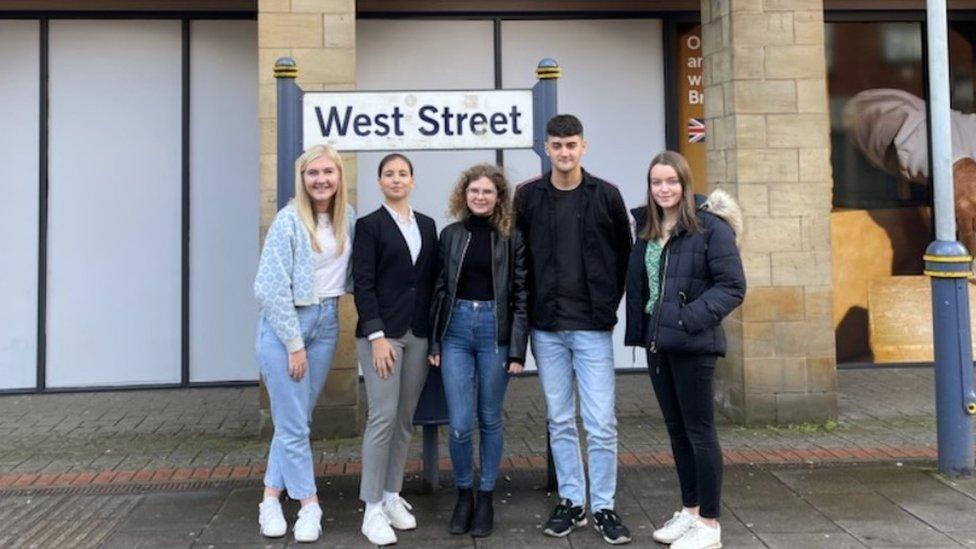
x=696, y=130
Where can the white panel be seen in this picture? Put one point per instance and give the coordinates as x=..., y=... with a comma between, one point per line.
x=19, y=111
x=223, y=199
x=613, y=80
x=114, y=206
x=423, y=55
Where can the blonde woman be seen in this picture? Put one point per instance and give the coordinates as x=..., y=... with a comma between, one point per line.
x=304, y=268
x=480, y=332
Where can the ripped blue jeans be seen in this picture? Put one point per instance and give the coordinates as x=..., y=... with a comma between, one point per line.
x=473, y=368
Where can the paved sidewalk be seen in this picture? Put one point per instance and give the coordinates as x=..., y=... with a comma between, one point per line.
x=793, y=508
x=209, y=434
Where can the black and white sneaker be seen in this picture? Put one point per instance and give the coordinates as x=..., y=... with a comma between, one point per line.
x=609, y=525
x=564, y=519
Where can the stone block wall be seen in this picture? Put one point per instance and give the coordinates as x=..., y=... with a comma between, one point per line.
x=321, y=36
x=766, y=113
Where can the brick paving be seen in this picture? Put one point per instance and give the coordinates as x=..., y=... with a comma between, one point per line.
x=210, y=433
x=788, y=507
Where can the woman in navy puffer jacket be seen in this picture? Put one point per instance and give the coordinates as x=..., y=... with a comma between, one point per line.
x=684, y=276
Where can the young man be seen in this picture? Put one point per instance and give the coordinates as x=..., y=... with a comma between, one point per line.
x=578, y=241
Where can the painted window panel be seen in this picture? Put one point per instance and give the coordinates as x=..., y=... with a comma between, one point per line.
x=19, y=110
x=114, y=275
x=223, y=199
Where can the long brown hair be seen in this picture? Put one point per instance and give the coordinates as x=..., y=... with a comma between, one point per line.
x=501, y=217
x=653, y=226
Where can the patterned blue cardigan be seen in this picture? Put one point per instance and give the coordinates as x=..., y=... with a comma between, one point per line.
x=286, y=276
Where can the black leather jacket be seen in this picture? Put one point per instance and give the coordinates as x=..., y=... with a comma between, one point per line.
x=509, y=282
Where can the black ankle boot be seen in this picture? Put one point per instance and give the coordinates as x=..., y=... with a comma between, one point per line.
x=484, y=515
x=463, y=510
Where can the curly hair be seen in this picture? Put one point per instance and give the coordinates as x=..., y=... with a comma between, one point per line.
x=501, y=218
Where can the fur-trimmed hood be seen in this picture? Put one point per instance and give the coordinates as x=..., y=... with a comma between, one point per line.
x=721, y=204
x=701, y=284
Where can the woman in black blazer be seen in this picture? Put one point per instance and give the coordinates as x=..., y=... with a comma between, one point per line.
x=394, y=257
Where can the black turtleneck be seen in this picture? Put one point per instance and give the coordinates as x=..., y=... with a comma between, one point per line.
x=475, y=282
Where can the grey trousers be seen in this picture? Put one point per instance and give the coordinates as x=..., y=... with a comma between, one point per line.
x=389, y=423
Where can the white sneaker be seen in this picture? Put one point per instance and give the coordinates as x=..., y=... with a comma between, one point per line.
x=376, y=528
x=308, y=527
x=271, y=519
x=700, y=537
x=397, y=512
x=675, y=527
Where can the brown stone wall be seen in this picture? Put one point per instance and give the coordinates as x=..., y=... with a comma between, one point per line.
x=766, y=112
x=320, y=35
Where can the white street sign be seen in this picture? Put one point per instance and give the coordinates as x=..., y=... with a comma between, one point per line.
x=414, y=120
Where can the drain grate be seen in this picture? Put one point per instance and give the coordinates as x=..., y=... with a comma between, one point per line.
x=138, y=488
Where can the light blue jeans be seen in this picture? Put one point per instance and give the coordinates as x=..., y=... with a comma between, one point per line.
x=473, y=365
x=587, y=358
x=290, y=457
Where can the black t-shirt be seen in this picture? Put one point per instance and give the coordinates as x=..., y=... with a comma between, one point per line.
x=572, y=295
x=475, y=281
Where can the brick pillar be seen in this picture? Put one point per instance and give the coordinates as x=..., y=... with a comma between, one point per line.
x=321, y=36
x=768, y=144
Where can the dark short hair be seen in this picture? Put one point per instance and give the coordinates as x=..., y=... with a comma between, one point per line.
x=564, y=125
x=391, y=157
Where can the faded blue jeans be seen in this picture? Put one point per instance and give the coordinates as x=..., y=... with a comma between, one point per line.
x=585, y=357
x=473, y=364
x=290, y=456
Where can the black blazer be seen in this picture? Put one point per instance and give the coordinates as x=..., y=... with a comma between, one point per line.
x=392, y=294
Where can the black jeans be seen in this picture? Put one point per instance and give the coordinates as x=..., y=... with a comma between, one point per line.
x=683, y=385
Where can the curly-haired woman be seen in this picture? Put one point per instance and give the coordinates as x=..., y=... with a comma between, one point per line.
x=480, y=331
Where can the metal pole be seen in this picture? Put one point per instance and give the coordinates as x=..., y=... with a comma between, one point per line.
x=289, y=121
x=430, y=459
x=544, y=108
x=947, y=262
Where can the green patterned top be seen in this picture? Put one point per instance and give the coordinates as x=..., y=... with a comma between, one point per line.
x=652, y=262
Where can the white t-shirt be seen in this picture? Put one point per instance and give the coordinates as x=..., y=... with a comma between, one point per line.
x=330, y=270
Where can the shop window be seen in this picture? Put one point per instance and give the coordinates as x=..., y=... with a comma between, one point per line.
x=889, y=57
x=881, y=221
x=882, y=217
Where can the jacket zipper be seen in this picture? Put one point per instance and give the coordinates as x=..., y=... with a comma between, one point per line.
x=660, y=299
x=494, y=310
x=457, y=279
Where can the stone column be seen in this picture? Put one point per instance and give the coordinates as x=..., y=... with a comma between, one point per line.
x=321, y=36
x=768, y=144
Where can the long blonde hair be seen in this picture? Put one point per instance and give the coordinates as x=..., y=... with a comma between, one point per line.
x=653, y=228
x=303, y=203
x=501, y=217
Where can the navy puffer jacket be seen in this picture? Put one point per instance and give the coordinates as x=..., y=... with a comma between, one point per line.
x=702, y=282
